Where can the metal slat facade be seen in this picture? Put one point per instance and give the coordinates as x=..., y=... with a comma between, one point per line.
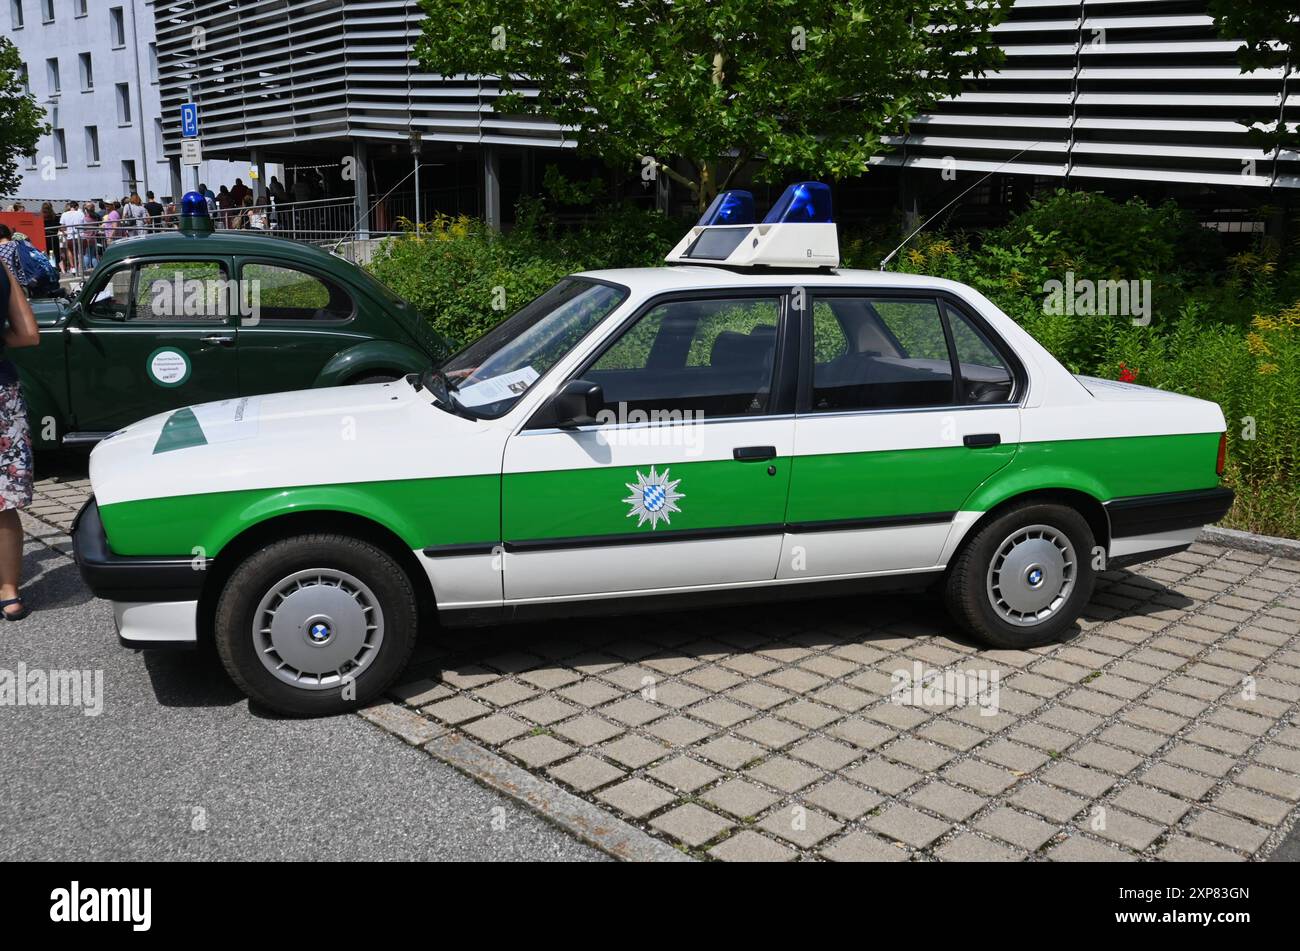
x=1101, y=89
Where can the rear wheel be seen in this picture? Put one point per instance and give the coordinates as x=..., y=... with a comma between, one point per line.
x=1025, y=576
x=317, y=624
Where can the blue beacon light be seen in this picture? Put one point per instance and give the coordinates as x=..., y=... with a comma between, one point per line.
x=735, y=207
x=802, y=203
x=194, y=213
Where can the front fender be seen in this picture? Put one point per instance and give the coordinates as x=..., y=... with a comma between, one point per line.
x=372, y=356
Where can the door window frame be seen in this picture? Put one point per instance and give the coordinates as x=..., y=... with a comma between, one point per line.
x=242, y=260
x=785, y=360
x=135, y=263
x=944, y=302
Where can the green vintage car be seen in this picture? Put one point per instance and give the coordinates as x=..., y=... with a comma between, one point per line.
x=187, y=317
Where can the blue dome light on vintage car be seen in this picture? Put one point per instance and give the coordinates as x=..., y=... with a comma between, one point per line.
x=802, y=203
x=735, y=207
x=194, y=213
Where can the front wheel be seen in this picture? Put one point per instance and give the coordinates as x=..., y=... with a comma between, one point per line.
x=317, y=624
x=1025, y=577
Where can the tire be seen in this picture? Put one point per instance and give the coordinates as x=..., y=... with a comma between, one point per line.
x=316, y=625
x=990, y=589
x=373, y=378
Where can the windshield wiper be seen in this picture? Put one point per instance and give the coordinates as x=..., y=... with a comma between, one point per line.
x=442, y=389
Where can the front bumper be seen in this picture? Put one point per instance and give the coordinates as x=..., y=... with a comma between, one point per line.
x=155, y=598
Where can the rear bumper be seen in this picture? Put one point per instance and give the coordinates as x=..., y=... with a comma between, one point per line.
x=1145, y=527
x=1167, y=512
x=155, y=599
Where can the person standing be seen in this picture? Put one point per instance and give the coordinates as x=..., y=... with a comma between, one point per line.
x=135, y=216
x=51, y=232
x=71, y=221
x=155, y=209
x=112, y=230
x=15, y=446
x=90, y=235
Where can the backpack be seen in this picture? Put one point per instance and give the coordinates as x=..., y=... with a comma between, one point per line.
x=38, y=274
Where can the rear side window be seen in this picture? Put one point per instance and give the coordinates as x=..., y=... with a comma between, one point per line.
x=879, y=353
x=286, y=293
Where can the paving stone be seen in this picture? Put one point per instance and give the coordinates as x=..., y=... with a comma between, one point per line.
x=549, y=678
x=890, y=778
x=1100, y=756
x=825, y=753
x=843, y=697
x=1180, y=782
x=843, y=799
x=861, y=733
x=1043, y=738
x=633, y=751
x=981, y=777
x=749, y=846
x=496, y=729
x=771, y=732
x=740, y=798
x=800, y=825
x=952, y=734
x=759, y=696
x=411, y=727
x=502, y=693
x=814, y=716
x=678, y=695
x=784, y=773
x=1025, y=831
x=1252, y=805
x=585, y=773
x=1078, y=848
x=1224, y=741
x=636, y=797
x=1014, y=756
x=679, y=731
x=948, y=801
x=1086, y=782
x=971, y=848
x=633, y=711
x=692, y=824
x=456, y=710
x=1225, y=830
x=587, y=730
x=1279, y=756
x=420, y=693
x=909, y=826
x=713, y=679
x=1147, y=802
x=1071, y=719
x=926, y=757
x=860, y=847
x=1048, y=802
x=1131, y=738
x=1181, y=848
x=1271, y=781
x=897, y=716
x=545, y=710
x=538, y=751
x=589, y=693
x=730, y=752
x=722, y=713
x=1199, y=758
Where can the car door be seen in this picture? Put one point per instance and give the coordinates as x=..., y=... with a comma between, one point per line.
x=683, y=483
x=907, y=403
x=149, y=336
x=300, y=319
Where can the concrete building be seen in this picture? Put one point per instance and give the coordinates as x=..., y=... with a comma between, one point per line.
x=93, y=66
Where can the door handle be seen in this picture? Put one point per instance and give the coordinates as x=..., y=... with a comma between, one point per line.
x=226, y=340
x=754, y=453
x=978, y=440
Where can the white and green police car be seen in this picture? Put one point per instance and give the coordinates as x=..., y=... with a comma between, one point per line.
x=749, y=422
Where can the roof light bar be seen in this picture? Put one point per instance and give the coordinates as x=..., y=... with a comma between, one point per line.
x=802, y=203
x=735, y=207
x=797, y=233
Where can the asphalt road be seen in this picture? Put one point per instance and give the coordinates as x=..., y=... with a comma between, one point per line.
x=178, y=767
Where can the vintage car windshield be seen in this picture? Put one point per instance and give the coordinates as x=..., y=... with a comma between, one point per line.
x=491, y=374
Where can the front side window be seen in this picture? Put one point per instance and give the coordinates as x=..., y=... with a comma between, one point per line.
x=185, y=291
x=490, y=375
x=285, y=293
x=712, y=357
x=112, y=300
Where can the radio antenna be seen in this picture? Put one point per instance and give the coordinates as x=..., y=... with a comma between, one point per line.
x=925, y=224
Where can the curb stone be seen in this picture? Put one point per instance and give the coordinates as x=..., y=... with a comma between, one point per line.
x=580, y=818
x=1261, y=544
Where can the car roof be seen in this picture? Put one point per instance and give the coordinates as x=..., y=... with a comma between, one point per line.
x=696, y=276
x=218, y=242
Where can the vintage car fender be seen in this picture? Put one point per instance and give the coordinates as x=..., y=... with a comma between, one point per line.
x=371, y=356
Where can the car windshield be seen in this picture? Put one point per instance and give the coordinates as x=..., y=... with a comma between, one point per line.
x=489, y=376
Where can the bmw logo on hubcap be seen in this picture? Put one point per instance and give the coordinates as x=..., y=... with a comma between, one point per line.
x=1035, y=576
x=319, y=632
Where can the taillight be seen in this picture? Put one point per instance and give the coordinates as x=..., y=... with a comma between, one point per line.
x=1221, y=463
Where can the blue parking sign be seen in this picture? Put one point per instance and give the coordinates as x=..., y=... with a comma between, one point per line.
x=189, y=120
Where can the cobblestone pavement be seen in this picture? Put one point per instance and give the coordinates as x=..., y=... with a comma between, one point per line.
x=1168, y=728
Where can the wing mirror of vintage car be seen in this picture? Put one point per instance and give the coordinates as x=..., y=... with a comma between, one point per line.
x=577, y=403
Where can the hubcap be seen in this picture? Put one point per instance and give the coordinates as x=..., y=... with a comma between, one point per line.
x=1031, y=575
x=317, y=627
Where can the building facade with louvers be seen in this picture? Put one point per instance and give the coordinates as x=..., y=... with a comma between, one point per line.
x=1118, y=90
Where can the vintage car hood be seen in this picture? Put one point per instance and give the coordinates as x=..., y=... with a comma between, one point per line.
x=344, y=434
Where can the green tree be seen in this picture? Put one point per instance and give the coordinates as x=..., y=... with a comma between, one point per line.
x=22, y=121
x=807, y=86
x=1269, y=31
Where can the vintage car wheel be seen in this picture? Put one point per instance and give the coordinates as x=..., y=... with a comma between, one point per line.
x=1024, y=577
x=316, y=624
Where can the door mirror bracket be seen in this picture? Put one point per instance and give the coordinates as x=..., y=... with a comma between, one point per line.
x=577, y=403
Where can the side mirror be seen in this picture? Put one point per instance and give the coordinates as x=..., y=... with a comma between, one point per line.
x=577, y=404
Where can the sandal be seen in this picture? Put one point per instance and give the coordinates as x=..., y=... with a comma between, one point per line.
x=16, y=615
